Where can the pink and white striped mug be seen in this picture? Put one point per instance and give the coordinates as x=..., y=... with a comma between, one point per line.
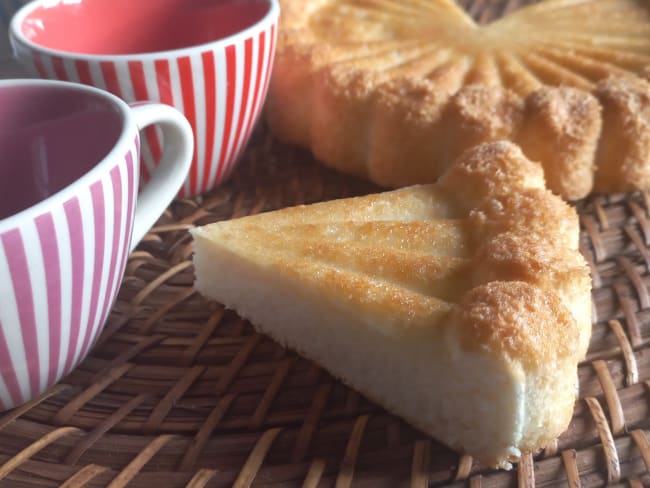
x=211, y=59
x=70, y=211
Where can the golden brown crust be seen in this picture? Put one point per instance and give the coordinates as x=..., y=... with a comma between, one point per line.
x=526, y=323
x=405, y=97
x=479, y=114
x=532, y=210
x=341, y=109
x=404, y=123
x=561, y=129
x=528, y=256
x=535, y=258
x=488, y=170
x=623, y=160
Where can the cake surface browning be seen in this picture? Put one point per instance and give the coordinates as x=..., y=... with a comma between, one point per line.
x=462, y=306
x=395, y=90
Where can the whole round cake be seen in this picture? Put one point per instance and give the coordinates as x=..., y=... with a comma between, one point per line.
x=395, y=90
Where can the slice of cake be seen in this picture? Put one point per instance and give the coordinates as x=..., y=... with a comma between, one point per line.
x=395, y=91
x=462, y=306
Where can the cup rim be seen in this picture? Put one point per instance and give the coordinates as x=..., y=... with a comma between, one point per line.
x=17, y=20
x=123, y=141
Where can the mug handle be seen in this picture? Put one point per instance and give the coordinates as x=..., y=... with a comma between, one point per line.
x=174, y=165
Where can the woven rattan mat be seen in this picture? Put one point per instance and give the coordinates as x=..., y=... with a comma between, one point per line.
x=179, y=392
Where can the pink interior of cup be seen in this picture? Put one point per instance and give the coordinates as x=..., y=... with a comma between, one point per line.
x=138, y=26
x=50, y=137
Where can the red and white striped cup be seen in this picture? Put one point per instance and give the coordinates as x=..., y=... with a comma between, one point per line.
x=211, y=59
x=69, y=184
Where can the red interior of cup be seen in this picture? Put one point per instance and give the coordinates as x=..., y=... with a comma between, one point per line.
x=137, y=26
x=50, y=137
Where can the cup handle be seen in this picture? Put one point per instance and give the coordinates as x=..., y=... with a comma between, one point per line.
x=169, y=175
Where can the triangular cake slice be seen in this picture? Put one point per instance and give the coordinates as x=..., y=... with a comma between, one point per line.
x=462, y=306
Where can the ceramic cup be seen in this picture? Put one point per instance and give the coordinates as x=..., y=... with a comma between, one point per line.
x=70, y=212
x=211, y=59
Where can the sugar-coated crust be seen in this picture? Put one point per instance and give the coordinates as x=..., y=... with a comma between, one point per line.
x=623, y=159
x=561, y=127
x=531, y=210
x=489, y=171
x=501, y=189
x=526, y=325
x=519, y=321
x=477, y=114
x=483, y=263
x=394, y=96
x=534, y=258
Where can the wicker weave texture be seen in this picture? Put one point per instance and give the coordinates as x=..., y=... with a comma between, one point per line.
x=180, y=392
